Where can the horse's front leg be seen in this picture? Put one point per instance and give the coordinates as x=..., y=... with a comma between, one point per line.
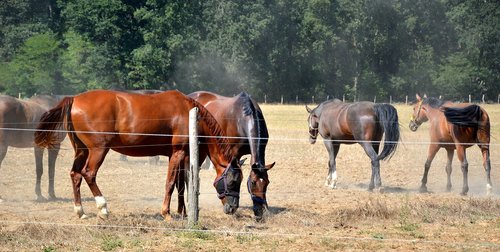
x=333, y=150
x=3, y=152
x=433, y=149
x=465, y=168
x=173, y=170
x=39, y=173
x=181, y=183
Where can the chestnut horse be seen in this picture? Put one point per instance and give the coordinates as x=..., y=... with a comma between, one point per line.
x=242, y=120
x=139, y=125
x=453, y=127
x=360, y=122
x=18, y=120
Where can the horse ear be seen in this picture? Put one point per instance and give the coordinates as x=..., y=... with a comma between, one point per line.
x=418, y=97
x=268, y=167
x=308, y=109
x=425, y=96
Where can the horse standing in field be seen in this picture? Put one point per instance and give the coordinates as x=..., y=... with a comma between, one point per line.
x=139, y=125
x=242, y=120
x=453, y=127
x=360, y=122
x=18, y=120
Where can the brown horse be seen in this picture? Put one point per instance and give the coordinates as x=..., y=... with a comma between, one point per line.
x=18, y=120
x=242, y=120
x=139, y=125
x=360, y=122
x=453, y=126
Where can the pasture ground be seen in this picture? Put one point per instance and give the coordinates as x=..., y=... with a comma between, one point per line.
x=304, y=214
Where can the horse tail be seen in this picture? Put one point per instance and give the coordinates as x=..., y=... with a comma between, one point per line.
x=466, y=117
x=388, y=120
x=471, y=116
x=47, y=133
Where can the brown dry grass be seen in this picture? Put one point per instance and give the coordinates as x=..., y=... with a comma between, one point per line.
x=304, y=214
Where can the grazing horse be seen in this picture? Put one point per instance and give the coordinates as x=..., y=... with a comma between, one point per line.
x=360, y=122
x=453, y=127
x=18, y=119
x=242, y=120
x=139, y=125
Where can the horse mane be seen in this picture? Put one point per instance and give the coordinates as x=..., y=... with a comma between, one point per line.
x=215, y=129
x=433, y=102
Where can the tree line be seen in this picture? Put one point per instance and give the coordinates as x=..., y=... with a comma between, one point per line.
x=358, y=49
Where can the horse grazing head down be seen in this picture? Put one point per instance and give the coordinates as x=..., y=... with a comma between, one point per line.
x=313, y=121
x=257, y=187
x=228, y=187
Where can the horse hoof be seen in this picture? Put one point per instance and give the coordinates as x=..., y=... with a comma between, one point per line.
x=489, y=190
x=41, y=199
x=380, y=190
x=423, y=190
x=83, y=217
x=103, y=216
x=167, y=217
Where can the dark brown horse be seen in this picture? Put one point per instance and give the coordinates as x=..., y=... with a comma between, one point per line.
x=453, y=127
x=139, y=125
x=360, y=122
x=18, y=120
x=242, y=120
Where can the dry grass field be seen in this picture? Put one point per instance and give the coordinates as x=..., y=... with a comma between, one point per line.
x=304, y=214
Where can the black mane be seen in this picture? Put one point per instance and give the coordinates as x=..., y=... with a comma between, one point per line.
x=433, y=102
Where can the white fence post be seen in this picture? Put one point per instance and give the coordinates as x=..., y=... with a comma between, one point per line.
x=194, y=169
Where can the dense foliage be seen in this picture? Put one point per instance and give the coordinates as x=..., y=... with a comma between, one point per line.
x=359, y=49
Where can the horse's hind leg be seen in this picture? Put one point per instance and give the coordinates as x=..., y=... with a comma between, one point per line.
x=3, y=152
x=89, y=173
x=465, y=168
x=450, y=153
x=53, y=152
x=487, y=167
x=333, y=150
x=375, y=181
x=39, y=172
x=76, y=181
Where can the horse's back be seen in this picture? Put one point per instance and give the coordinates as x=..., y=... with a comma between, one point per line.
x=134, y=119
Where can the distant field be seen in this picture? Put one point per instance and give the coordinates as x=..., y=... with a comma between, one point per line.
x=304, y=214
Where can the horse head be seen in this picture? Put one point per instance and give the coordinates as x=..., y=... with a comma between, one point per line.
x=419, y=115
x=313, y=121
x=228, y=186
x=257, y=186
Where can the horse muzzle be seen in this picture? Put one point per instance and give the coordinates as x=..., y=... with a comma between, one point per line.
x=258, y=210
x=231, y=205
x=312, y=140
x=413, y=125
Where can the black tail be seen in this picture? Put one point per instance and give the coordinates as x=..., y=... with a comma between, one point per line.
x=48, y=130
x=388, y=120
x=466, y=117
